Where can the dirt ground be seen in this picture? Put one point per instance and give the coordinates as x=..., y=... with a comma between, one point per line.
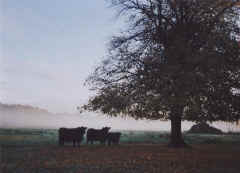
x=127, y=158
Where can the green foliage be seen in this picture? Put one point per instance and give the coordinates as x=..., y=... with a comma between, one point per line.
x=174, y=55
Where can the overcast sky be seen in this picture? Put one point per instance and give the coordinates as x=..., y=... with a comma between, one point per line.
x=49, y=47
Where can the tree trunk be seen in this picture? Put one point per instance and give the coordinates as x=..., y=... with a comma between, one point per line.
x=176, y=140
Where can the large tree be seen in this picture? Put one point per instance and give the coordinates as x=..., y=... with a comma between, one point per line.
x=177, y=60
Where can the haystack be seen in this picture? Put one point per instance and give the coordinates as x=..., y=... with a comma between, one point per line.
x=204, y=128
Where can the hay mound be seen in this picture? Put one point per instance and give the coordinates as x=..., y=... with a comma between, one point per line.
x=204, y=128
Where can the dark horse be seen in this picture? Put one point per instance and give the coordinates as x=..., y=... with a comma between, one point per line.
x=97, y=135
x=113, y=138
x=74, y=135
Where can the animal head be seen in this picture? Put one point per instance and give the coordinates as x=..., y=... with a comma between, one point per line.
x=82, y=129
x=118, y=134
x=106, y=129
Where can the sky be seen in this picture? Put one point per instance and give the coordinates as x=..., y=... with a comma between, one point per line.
x=47, y=50
x=49, y=47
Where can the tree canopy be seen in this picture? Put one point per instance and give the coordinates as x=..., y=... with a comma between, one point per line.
x=177, y=60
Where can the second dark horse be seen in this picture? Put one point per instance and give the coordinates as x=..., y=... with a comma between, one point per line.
x=74, y=135
x=97, y=135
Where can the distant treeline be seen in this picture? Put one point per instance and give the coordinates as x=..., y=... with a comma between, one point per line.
x=22, y=108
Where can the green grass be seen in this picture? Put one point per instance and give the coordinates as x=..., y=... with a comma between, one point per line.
x=21, y=148
x=28, y=136
x=127, y=158
x=50, y=137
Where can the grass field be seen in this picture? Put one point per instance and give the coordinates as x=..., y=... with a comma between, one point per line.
x=36, y=151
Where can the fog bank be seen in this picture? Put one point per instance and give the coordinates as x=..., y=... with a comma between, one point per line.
x=23, y=120
x=90, y=120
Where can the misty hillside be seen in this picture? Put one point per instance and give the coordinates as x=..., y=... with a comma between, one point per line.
x=21, y=108
x=25, y=116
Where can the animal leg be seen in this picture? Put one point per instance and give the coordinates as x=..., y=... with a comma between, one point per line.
x=74, y=143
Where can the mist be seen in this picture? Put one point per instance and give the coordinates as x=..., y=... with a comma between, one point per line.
x=91, y=120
